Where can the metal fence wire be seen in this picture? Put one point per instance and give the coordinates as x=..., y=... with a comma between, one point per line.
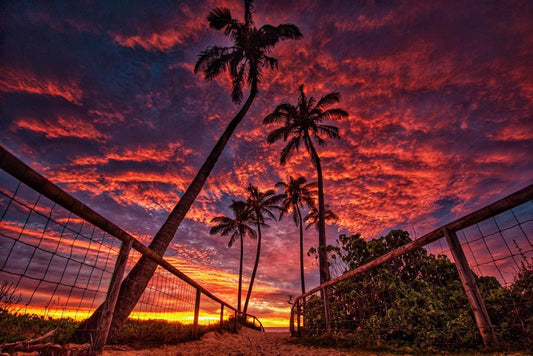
x=59, y=257
x=465, y=284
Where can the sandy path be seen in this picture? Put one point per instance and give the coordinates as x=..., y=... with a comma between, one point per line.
x=246, y=342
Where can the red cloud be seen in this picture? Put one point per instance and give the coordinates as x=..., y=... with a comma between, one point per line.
x=63, y=127
x=18, y=81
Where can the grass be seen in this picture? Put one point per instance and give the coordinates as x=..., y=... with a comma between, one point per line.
x=135, y=333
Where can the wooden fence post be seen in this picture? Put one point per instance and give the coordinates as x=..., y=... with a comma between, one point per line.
x=326, y=308
x=298, y=317
x=102, y=328
x=472, y=292
x=221, y=315
x=196, y=312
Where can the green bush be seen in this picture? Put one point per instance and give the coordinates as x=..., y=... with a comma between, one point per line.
x=417, y=301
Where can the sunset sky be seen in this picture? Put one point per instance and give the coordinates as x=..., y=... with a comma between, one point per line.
x=101, y=98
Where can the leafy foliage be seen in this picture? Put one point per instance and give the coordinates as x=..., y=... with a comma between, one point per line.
x=417, y=301
x=248, y=55
x=16, y=327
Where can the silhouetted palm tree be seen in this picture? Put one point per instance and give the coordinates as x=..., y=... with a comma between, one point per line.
x=303, y=124
x=244, y=60
x=235, y=227
x=296, y=194
x=312, y=216
x=260, y=205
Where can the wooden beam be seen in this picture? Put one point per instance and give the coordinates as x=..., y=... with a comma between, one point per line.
x=102, y=328
x=472, y=292
x=522, y=196
x=196, y=312
x=221, y=314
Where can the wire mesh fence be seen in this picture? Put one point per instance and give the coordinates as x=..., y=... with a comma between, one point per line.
x=58, y=264
x=58, y=257
x=467, y=284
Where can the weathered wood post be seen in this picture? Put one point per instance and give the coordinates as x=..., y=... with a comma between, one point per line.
x=298, y=317
x=291, y=321
x=472, y=292
x=221, y=315
x=235, y=322
x=102, y=328
x=196, y=312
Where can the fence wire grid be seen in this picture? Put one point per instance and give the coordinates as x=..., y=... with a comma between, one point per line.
x=417, y=298
x=54, y=263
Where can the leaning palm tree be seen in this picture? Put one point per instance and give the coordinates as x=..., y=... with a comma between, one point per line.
x=245, y=61
x=235, y=227
x=297, y=194
x=260, y=205
x=303, y=124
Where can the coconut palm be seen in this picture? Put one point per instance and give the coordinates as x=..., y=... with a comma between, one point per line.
x=261, y=206
x=302, y=125
x=245, y=61
x=236, y=227
x=296, y=194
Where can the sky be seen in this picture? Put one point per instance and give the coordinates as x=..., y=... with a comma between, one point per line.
x=101, y=98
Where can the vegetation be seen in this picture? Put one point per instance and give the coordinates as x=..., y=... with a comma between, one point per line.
x=16, y=327
x=244, y=61
x=303, y=124
x=235, y=227
x=260, y=206
x=136, y=333
x=417, y=301
x=296, y=194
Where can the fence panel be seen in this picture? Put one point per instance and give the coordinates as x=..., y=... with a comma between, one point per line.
x=57, y=258
x=414, y=294
x=59, y=264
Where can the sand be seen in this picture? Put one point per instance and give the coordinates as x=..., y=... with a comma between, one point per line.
x=252, y=342
x=246, y=342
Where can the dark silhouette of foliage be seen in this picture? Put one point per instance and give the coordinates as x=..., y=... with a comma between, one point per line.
x=303, y=124
x=236, y=227
x=260, y=206
x=245, y=60
x=296, y=194
x=417, y=301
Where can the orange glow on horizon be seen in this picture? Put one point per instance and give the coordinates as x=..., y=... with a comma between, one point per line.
x=204, y=318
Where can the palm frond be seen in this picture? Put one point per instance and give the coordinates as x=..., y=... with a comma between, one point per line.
x=233, y=238
x=329, y=130
x=219, y=18
x=289, y=32
x=237, y=89
x=271, y=35
x=276, y=134
x=292, y=146
x=210, y=54
x=335, y=114
x=319, y=140
x=271, y=62
x=328, y=99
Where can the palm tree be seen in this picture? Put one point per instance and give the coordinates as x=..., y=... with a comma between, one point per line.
x=236, y=227
x=245, y=60
x=296, y=194
x=260, y=205
x=303, y=124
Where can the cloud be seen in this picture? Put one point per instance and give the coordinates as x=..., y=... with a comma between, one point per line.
x=102, y=100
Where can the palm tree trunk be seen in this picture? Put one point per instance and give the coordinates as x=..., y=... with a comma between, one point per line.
x=322, y=253
x=255, y=267
x=302, y=275
x=133, y=285
x=240, y=276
